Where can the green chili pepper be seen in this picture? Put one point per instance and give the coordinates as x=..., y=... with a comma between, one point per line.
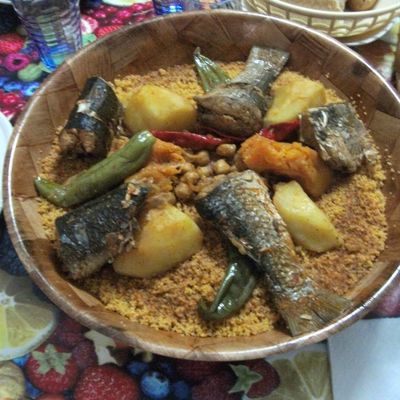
x=236, y=288
x=210, y=73
x=102, y=176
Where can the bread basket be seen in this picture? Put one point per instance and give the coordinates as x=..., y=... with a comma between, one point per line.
x=333, y=23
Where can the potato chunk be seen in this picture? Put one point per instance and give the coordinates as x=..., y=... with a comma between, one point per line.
x=168, y=237
x=154, y=107
x=308, y=225
x=290, y=100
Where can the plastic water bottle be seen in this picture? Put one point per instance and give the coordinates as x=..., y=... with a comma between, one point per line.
x=53, y=25
x=163, y=7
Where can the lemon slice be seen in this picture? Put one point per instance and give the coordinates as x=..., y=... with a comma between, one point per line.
x=25, y=321
x=305, y=377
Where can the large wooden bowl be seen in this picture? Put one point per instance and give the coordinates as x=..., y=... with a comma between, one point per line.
x=163, y=42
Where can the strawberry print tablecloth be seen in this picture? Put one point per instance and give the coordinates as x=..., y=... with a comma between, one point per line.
x=77, y=363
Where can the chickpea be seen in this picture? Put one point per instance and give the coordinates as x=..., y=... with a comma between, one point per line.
x=221, y=167
x=205, y=171
x=217, y=179
x=183, y=191
x=226, y=150
x=191, y=177
x=205, y=185
x=186, y=167
x=204, y=182
x=202, y=158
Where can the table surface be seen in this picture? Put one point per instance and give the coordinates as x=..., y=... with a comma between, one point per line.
x=145, y=375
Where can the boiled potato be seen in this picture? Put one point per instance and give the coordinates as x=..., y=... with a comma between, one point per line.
x=154, y=107
x=307, y=224
x=293, y=99
x=361, y=5
x=168, y=237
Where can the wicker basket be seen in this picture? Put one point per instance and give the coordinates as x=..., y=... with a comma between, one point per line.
x=338, y=24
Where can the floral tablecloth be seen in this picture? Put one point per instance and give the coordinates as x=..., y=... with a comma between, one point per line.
x=77, y=363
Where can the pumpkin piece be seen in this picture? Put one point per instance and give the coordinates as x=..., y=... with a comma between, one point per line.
x=164, y=152
x=288, y=159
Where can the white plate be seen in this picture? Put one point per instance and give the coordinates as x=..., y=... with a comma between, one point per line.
x=5, y=132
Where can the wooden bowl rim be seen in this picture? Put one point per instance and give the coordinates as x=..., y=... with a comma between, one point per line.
x=160, y=348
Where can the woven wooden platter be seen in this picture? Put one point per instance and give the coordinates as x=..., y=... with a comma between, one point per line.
x=225, y=36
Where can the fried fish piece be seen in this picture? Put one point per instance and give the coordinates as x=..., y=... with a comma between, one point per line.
x=238, y=107
x=338, y=135
x=93, y=122
x=93, y=234
x=241, y=208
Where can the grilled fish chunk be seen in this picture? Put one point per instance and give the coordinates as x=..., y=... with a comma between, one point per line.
x=94, y=233
x=242, y=209
x=93, y=121
x=85, y=134
x=238, y=107
x=338, y=135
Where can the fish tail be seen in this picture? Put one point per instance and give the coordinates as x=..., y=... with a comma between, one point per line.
x=312, y=312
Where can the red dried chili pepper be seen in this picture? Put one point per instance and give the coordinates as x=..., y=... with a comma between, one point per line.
x=206, y=130
x=190, y=140
x=282, y=131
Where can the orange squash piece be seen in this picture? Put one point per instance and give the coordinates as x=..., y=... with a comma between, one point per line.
x=164, y=163
x=164, y=152
x=294, y=160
